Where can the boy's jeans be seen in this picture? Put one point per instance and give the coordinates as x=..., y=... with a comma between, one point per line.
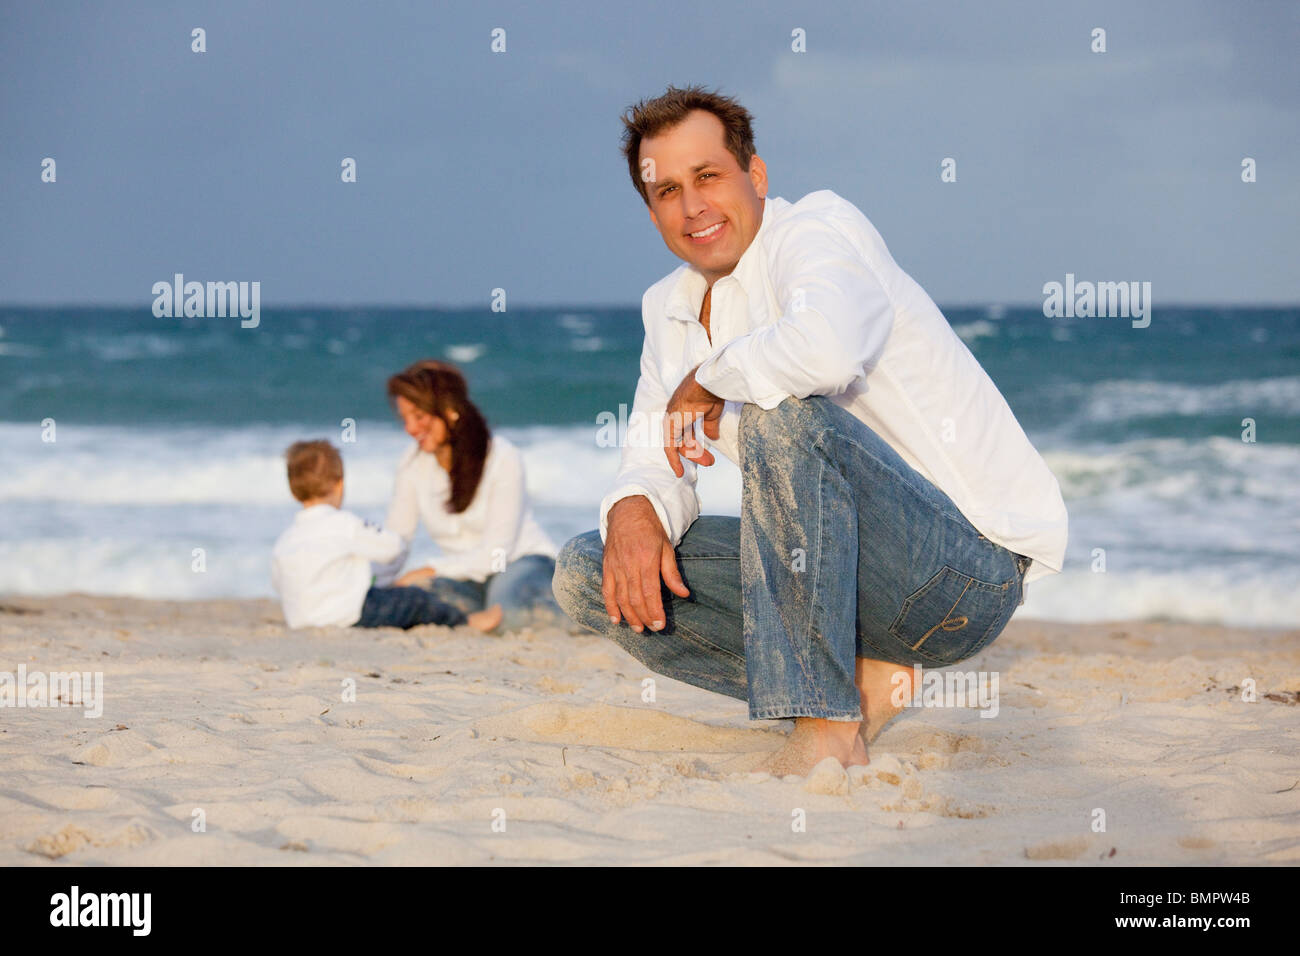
x=842, y=550
x=406, y=607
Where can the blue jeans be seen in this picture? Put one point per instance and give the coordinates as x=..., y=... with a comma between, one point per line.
x=842, y=550
x=406, y=607
x=523, y=590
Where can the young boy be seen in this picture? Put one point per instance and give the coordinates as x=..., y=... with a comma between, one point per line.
x=320, y=566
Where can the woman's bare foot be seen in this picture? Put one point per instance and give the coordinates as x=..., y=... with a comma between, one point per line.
x=486, y=620
x=812, y=741
x=880, y=684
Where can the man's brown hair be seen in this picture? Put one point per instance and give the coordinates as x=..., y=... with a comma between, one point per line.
x=652, y=117
x=314, y=469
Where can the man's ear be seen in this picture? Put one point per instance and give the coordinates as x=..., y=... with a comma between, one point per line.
x=653, y=217
x=758, y=176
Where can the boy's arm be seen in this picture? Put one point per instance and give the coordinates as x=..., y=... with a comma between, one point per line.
x=386, y=572
x=374, y=543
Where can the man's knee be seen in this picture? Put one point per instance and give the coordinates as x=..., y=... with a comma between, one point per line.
x=793, y=423
x=579, y=569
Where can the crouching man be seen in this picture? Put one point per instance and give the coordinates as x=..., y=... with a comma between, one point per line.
x=892, y=508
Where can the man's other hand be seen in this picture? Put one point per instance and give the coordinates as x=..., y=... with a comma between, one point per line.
x=637, y=554
x=692, y=406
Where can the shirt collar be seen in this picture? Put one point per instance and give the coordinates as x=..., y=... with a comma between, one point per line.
x=687, y=295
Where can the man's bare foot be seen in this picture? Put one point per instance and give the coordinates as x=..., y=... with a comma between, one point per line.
x=812, y=741
x=879, y=688
x=486, y=620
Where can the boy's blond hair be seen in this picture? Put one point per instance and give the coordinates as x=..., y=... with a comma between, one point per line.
x=315, y=467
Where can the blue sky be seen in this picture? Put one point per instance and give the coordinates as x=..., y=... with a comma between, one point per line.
x=479, y=170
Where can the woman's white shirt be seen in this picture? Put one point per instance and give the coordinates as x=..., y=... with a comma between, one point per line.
x=497, y=528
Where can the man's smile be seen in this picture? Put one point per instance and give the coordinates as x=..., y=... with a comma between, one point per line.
x=707, y=234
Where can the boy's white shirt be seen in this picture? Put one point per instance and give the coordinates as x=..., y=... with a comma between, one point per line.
x=498, y=526
x=817, y=306
x=321, y=565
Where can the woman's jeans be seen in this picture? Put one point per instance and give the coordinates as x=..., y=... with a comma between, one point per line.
x=523, y=590
x=842, y=550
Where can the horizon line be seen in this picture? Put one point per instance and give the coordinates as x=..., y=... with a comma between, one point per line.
x=340, y=307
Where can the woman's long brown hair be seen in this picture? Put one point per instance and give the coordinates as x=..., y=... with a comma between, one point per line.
x=439, y=389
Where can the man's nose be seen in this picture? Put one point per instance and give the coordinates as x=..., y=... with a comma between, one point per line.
x=693, y=205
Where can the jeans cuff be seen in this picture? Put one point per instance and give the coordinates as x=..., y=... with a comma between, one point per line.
x=788, y=711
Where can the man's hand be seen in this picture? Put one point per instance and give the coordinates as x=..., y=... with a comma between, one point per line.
x=691, y=406
x=411, y=577
x=637, y=553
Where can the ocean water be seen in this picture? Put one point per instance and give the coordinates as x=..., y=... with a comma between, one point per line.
x=168, y=435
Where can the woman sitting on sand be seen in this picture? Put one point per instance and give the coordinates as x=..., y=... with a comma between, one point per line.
x=467, y=486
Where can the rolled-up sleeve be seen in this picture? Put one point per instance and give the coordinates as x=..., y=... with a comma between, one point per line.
x=643, y=467
x=836, y=319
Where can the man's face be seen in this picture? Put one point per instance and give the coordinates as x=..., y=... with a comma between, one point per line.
x=705, y=206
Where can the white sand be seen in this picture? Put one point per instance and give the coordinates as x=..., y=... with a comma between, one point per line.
x=216, y=707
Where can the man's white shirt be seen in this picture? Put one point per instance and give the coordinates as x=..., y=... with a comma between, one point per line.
x=817, y=306
x=321, y=566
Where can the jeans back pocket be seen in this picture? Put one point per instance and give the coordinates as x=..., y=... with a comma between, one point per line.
x=953, y=615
